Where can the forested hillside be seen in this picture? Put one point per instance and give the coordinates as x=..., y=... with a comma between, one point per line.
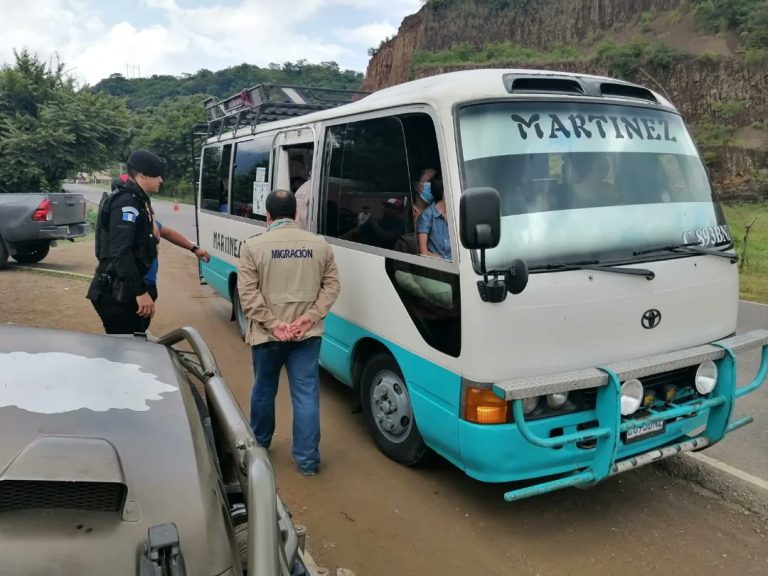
x=146, y=92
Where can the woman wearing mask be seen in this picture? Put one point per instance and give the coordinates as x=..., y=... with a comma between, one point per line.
x=422, y=197
x=432, y=226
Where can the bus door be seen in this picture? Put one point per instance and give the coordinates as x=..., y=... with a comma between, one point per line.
x=293, y=161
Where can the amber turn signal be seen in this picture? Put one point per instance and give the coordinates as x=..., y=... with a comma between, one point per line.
x=482, y=406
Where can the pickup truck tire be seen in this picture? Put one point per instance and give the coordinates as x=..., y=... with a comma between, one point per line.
x=31, y=253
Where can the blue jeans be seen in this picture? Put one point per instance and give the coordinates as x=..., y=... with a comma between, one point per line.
x=301, y=360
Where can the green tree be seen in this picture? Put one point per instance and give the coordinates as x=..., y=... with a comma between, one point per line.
x=49, y=128
x=166, y=131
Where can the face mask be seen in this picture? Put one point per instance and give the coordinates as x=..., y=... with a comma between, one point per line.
x=426, y=193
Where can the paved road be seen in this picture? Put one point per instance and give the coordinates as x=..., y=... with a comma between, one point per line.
x=745, y=449
x=182, y=220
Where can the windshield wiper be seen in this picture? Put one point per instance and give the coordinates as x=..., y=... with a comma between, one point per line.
x=690, y=247
x=595, y=265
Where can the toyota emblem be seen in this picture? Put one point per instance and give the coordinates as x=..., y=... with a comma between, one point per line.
x=651, y=318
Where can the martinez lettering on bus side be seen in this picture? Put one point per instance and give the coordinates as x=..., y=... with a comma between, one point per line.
x=593, y=126
x=227, y=244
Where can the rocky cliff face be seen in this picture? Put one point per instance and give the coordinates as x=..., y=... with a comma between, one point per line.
x=541, y=24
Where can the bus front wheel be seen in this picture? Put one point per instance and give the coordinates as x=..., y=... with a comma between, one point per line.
x=239, y=313
x=388, y=410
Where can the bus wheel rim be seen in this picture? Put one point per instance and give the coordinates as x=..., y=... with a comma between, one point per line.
x=391, y=406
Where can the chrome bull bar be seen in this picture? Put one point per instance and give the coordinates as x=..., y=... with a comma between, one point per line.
x=273, y=540
x=607, y=434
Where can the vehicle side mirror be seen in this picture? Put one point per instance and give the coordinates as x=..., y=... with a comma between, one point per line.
x=480, y=229
x=480, y=218
x=516, y=278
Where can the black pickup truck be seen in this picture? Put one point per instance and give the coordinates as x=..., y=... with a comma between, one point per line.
x=30, y=223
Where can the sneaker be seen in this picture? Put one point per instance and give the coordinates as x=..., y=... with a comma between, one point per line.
x=308, y=472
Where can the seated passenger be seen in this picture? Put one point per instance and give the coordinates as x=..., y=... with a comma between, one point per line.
x=432, y=227
x=385, y=230
x=422, y=192
x=585, y=175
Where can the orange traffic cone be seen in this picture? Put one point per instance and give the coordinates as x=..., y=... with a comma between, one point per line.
x=175, y=205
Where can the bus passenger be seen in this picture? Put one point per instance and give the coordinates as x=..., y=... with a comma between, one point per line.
x=432, y=228
x=586, y=175
x=422, y=189
x=303, y=196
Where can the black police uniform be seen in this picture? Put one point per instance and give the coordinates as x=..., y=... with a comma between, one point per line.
x=125, y=247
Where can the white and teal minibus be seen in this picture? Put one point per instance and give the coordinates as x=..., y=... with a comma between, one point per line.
x=583, y=321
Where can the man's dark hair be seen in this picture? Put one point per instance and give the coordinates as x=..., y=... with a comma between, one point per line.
x=281, y=204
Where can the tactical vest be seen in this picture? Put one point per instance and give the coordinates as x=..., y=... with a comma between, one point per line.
x=146, y=252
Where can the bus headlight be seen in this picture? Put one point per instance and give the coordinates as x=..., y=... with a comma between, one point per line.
x=557, y=400
x=631, y=396
x=529, y=405
x=706, y=377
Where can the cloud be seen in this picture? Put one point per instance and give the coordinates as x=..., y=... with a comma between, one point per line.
x=46, y=27
x=368, y=35
x=174, y=39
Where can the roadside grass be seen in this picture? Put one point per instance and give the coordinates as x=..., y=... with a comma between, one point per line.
x=753, y=274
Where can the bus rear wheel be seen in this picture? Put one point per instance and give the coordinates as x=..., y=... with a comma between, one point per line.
x=388, y=410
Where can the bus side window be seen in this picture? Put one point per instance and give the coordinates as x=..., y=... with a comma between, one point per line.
x=370, y=176
x=366, y=183
x=250, y=175
x=210, y=183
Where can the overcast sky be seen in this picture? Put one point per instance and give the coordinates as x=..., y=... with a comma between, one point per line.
x=96, y=38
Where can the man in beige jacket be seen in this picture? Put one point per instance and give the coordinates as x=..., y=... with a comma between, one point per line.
x=287, y=282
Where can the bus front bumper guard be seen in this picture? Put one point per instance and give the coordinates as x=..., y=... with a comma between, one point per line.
x=607, y=435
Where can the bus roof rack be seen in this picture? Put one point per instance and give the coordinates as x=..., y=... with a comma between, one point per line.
x=271, y=102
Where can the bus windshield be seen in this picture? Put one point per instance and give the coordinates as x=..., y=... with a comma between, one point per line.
x=588, y=182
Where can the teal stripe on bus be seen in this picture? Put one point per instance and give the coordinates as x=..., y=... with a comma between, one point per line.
x=217, y=273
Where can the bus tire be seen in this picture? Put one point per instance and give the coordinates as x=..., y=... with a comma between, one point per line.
x=3, y=253
x=239, y=314
x=388, y=410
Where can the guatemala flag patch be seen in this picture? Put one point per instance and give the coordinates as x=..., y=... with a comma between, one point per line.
x=130, y=214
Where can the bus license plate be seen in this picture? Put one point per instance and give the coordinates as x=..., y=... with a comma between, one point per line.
x=646, y=430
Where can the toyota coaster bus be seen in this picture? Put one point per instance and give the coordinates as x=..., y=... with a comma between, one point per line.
x=581, y=320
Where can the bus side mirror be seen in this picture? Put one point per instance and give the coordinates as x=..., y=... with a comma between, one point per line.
x=480, y=218
x=480, y=229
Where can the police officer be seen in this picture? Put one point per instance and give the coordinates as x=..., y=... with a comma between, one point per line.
x=287, y=283
x=123, y=290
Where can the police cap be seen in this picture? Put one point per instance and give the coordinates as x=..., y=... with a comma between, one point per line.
x=147, y=163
